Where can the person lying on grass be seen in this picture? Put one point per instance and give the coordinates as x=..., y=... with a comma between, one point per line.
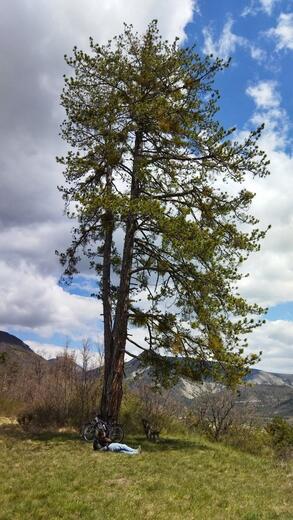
x=104, y=443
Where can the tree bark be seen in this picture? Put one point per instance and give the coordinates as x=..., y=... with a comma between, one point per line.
x=114, y=366
x=106, y=297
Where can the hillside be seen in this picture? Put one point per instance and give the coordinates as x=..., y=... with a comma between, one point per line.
x=20, y=355
x=270, y=393
x=16, y=353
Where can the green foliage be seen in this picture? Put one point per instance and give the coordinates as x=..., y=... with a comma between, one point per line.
x=254, y=440
x=145, y=402
x=149, y=159
x=131, y=413
x=281, y=434
x=281, y=431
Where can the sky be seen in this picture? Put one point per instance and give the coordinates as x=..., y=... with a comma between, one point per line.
x=257, y=87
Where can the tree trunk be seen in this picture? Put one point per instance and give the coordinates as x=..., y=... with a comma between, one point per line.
x=106, y=296
x=114, y=365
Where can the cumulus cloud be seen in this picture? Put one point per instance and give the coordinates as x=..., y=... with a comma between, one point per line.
x=275, y=340
x=33, y=301
x=264, y=94
x=227, y=43
x=270, y=281
x=283, y=32
x=51, y=351
x=34, y=36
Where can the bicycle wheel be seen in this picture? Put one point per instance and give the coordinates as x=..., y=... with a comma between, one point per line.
x=88, y=432
x=116, y=433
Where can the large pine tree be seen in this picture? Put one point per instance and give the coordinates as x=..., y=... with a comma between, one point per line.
x=149, y=166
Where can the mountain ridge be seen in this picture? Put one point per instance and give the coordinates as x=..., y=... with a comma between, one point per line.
x=11, y=340
x=271, y=392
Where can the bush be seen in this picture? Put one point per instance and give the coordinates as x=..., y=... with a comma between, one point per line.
x=281, y=436
x=216, y=412
x=251, y=439
x=145, y=403
x=131, y=413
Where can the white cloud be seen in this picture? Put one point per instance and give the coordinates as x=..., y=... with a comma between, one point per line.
x=70, y=23
x=283, y=32
x=227, y=43
x=264, y=94
x=36, y=243
x=34, y=36
x=32, y=301
x=275, y=340
x=271, y=281
x=257, y=53
x=254, y=7
x=268, y=5
x=51, y=351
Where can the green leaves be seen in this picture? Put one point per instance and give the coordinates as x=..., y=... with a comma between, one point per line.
x=148, y=163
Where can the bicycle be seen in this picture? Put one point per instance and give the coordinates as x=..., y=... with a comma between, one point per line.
x=113, y=430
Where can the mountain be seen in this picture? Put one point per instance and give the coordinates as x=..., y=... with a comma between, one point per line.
x=12, y=342
x=270, y=393
x=267, y=393
x=17, y=353
x=135, y=368
x=260, y=377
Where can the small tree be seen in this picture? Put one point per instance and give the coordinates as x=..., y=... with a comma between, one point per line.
x=148, y=166
x=216, y=411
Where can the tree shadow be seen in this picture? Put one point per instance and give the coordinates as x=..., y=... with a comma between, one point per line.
x=15, y=432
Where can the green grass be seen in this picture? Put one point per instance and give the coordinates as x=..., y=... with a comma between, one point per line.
x=57, y=476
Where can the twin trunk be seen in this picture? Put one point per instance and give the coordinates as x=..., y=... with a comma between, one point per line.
x=115, y=335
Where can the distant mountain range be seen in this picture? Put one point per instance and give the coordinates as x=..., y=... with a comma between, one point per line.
x=271, y=393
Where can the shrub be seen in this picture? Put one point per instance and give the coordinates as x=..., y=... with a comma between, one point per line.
x=250, y=439
x=10, y=407
x=281, y=435
x=215, y=411
x=158, y=408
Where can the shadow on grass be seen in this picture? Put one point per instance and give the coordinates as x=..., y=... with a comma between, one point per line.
x=14, y=431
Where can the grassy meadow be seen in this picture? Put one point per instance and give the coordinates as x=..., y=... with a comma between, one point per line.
x=58, y=476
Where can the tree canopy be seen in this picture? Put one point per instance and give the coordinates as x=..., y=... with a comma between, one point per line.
x=156, y=186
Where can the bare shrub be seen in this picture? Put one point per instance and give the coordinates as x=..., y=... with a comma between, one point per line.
x=216, y=411
x=56, y=393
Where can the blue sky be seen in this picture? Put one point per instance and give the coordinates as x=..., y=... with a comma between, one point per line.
x=257, y=34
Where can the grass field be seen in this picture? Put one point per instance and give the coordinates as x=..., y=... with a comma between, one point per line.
x=57, y=476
